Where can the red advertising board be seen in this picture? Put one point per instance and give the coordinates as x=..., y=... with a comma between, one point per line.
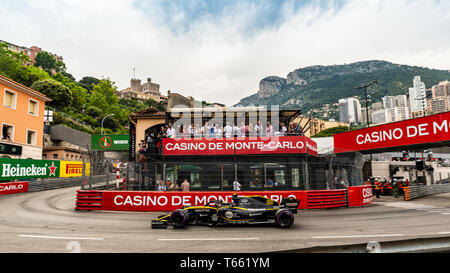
x=168, y=201
x=429, y=129
x=11, y=188
x=359, y=196
x=239, y=146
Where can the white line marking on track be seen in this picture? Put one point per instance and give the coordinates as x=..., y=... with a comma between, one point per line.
x=57, y=237
x=444, y=232
x=210, y=239
x=358, y=236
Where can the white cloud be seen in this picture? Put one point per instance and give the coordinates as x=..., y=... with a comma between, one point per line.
x=217, y=59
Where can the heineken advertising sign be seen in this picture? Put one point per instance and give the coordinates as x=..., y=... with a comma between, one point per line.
x=11, y=169
x=110, y=142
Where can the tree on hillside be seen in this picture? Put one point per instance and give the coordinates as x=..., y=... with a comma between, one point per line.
x=79, y=94
x=104, y=95
x=60, y=94
x=11, y=65
x=48, y=63
x=153, y=103
x=88, y=82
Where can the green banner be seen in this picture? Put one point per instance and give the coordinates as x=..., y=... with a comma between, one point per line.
x=110, y=142
x=11, y=169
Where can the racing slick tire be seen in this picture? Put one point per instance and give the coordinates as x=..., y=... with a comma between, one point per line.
x=284, y=218
x=179, y=218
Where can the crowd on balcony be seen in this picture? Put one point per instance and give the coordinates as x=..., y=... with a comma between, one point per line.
x=149, y=144
x=229, y=130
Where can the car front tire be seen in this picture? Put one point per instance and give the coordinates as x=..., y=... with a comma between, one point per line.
x=179, y=218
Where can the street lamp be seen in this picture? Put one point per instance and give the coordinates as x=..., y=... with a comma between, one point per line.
x=365, y=86
x=104, y=120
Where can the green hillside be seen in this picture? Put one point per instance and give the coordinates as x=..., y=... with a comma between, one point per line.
x=328, y=84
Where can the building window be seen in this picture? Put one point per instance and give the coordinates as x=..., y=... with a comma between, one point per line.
x=8, y=132
x=31, y=137
x=55, y=156
x=10, y=99
x=33, y=107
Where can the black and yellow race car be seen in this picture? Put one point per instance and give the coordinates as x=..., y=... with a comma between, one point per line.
x=243, y=210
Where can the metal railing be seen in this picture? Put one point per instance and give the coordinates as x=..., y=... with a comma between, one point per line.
x=58, y=183
x=413, y=192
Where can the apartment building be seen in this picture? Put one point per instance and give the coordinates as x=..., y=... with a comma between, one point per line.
x=31, y=52
x=350, y=110
x=21, y=120
x=441, y=97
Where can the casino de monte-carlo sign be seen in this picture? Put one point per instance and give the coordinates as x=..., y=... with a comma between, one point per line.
x=21, y=169
x=426, y=130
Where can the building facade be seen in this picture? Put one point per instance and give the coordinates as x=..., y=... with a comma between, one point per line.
x=148, y=90
x=440, y=101
x=381, y=116
x=417, y=96
x=350, y=110
x=22, y=118
x=30, y=52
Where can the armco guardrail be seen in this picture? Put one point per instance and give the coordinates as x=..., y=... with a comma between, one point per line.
x=50, y=184
x=413, y=192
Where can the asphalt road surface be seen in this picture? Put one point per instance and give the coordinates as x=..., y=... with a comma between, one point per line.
x=46, y=222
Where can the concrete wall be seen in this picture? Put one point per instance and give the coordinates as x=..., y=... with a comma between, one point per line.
x=78, y=138
x=407, y=170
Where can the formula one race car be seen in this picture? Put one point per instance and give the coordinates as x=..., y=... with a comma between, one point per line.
x=241, y=211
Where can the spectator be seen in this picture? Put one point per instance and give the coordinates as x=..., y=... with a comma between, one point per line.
x=185, y=185
x=205, y=130
x=213, y=130
x=228, y=130
x=244, y=130
x=162, y=133
x=7, y=138
x=236, y=131
x=269, y=129
x=257, y=129
x=168, y=183
x=219, y=131
x=142, y=147
x=269, y=183
x=170, y=131
x=237, y=186
x=191, y=130
x=250, y=129
x=283, y=129
x=161, y=186
x=174, y=186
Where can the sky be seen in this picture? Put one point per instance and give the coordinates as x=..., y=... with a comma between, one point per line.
x=219, y=50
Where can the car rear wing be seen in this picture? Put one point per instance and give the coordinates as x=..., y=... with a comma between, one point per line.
x=290, y=203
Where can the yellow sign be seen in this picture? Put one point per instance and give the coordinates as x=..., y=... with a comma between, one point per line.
x=73, y=169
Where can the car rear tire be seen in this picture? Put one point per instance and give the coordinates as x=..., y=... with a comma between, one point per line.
x=178, y=218
x=284, y=218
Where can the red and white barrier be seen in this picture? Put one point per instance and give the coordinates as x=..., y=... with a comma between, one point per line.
x=359, y=196
x=168, y=201
x=14, y=187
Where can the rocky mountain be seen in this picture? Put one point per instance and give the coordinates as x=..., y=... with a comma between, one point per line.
x=311, y=88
